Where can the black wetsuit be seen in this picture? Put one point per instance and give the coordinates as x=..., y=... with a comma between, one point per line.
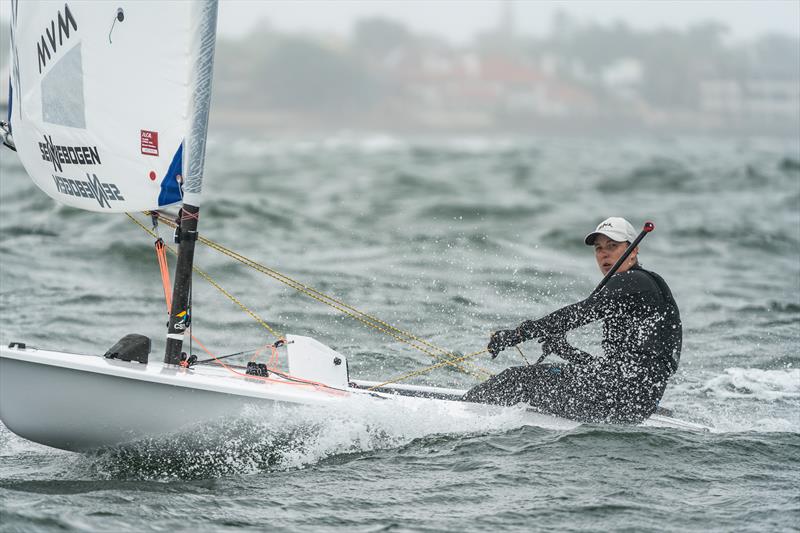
x=642, y=343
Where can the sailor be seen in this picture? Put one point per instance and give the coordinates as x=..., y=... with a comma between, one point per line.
x=642, y=338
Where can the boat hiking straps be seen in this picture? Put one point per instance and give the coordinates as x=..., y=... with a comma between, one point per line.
x=436, y=352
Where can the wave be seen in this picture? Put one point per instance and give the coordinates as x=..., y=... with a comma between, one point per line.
x=755, y=383
x=480, y=211
x=789, y=164
x=24, y=231
x=659, y=174
x=287, y=438
x=365, y=144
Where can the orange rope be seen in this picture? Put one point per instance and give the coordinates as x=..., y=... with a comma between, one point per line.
x=295, y=380
x=273, y=361
x=161, y=254
x=257, y=352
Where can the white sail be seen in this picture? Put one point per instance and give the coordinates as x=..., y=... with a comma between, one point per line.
x=105, y=103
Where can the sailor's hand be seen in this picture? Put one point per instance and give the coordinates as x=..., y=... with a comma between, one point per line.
x=556, y=344
x=503, y=339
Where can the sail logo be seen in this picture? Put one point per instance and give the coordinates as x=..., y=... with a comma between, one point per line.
x=92, y=187
x=61, y=31
x=181, y=321
x=149, y=142
x=68, y=155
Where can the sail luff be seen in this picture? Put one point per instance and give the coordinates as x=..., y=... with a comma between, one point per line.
x=201, y=103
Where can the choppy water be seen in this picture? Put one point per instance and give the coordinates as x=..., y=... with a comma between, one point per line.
x=450, y=239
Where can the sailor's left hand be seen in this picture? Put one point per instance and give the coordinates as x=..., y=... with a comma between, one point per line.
x=503, y=339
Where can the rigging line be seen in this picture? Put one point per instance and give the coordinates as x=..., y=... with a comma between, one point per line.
x=237, y=302
x=447, y=361
x=291, y=380
x=252, y=314
x=408, y=375
x=357, y=315
x=348, y=310
x=206, y=361
x=299, y=286
x=523, y=356
x=161, y=254
x=215, y=284
x=190, y=317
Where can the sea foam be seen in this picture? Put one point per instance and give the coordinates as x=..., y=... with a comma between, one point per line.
x=755, y=383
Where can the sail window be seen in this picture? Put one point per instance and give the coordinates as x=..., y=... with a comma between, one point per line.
x=62, y=91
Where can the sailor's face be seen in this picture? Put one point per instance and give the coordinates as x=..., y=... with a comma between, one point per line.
x=607, y=251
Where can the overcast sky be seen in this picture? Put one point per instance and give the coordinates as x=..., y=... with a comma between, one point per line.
x=459, y=20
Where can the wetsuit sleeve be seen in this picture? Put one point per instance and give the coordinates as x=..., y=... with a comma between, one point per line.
x=572, y=354
x=557, y=323
x=621, y=290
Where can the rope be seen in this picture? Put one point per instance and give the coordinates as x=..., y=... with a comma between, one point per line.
x=291, y=379
x=523, y=356
x=408, y=375
x=398, y=334
x=161, y=254
x=237, y=302
x=206, y=361
x=214, y=284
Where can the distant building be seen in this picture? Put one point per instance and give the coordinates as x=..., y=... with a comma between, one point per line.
x=751, y=99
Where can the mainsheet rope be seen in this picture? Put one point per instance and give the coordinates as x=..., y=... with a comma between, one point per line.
x=445, y=356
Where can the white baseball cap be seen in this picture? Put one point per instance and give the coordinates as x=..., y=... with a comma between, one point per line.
x=615, y=228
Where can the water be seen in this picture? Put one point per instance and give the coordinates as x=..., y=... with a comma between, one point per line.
x=450, y=239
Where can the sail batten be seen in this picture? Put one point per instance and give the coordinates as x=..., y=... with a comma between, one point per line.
x=111, y=99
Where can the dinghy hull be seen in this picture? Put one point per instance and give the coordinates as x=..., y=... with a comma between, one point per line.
x=84, y=402
x=81, y=402
x=79, y=410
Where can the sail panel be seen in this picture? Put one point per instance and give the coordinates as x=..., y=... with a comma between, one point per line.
x=104, y=98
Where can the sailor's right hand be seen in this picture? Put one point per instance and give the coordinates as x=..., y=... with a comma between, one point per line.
x=505, y=338
x=554, y=344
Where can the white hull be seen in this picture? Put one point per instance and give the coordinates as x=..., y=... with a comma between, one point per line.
x=83, y=402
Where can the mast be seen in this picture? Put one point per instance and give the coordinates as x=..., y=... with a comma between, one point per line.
x=194, y=159
x=180, y=314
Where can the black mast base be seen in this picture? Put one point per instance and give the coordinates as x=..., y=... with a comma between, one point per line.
x=180, y=315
